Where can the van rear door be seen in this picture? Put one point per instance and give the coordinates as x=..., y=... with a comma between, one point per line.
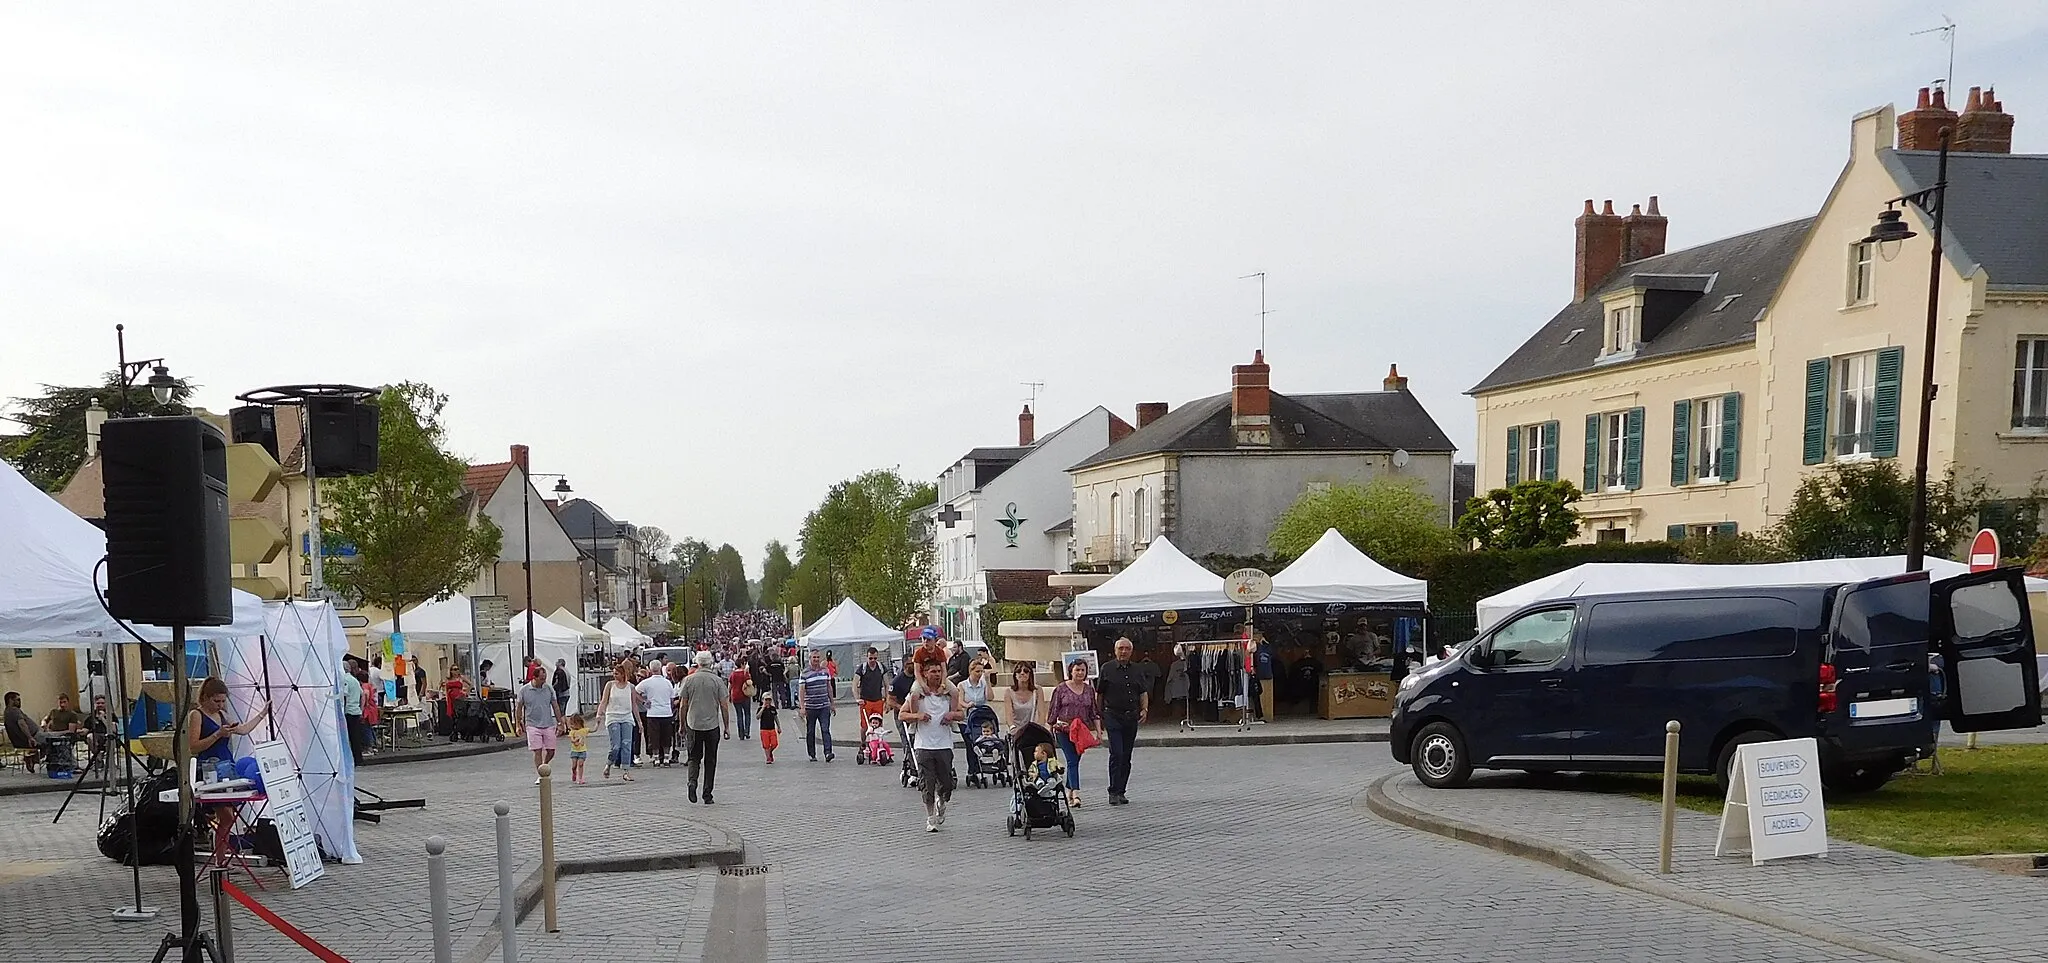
x=1985, y=635
x=1878, y=652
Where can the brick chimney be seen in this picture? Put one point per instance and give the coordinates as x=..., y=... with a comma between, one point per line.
x=1984, y=127
x=1396, y=381
x=1150, y=411
x=1027, y=430
x=519, y=458
x=1602, y=239
x=1251, y=403
x=1643, y=233
x=1920, y=128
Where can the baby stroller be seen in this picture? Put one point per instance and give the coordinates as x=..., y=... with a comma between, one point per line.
x=1035, y=806
x=874, y=747
x=909, y=776
x=990, y=750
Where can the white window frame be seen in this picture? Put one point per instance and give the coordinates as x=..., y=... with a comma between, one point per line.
x=1613, y=450
x=2030, y=383
x=1852, y=407
x=1621, y=329
x=1862, y=273
x=1708, y=417
x=1531, y=455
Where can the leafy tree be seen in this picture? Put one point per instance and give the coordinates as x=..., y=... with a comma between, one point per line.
x=410, y=522
x=810, y=587
x=1861, y=509
x=730, y=573
x=53, y=447
x=1395, y=522
x=1532, y=514
x=1743, y=548
x=775, y=571
x=861, y=543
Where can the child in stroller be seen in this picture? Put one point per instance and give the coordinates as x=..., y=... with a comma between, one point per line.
x=990, y=751
x=874, y=747
x=1038, y=794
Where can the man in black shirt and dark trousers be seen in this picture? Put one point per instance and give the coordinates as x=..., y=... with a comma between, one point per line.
x=1126, y=697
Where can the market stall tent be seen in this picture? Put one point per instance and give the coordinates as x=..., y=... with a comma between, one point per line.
x=589, y=633
x=49, y=595
x=441, y=622
x=625, y=636
x=551, y=643
x=1333, y=570
x=1162, y=579
x=848, y=630
x=1599, y=578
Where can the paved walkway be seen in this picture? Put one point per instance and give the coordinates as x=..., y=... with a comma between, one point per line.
x=1859, y=897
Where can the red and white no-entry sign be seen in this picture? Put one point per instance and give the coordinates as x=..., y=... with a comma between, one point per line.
x=1984, y=551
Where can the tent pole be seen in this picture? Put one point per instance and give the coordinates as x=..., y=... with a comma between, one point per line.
x=137, y=911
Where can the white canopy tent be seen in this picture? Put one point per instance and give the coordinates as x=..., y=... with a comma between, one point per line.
x=1598, y=578
x=589, y=633
x=849, y=630
x=442, y=622
x=625, y=636
x=1333, y=570
x=1162, y=579
x=551, y=643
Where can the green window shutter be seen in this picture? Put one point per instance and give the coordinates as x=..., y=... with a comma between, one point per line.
x=1891, y=364
x=1550, y=451
x=1725, y=529
x=1816, y=429
x=1632, y=450
x=1592, y=473
x=1674, y=533
x=1514, y=456
x=1731, y=436
x=1681, y=426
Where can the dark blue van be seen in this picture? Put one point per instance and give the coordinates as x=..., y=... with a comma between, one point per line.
x=1586, y=684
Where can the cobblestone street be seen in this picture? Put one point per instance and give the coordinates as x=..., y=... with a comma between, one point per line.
x=1259, y=852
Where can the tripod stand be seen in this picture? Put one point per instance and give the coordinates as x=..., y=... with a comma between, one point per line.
x=97, y=760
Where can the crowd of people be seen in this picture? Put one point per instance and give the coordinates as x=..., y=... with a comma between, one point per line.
x=659, y=714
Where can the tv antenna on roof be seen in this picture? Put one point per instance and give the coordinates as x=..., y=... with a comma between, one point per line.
x=1032, y=399
x=1261, y=275
x=1948, y=33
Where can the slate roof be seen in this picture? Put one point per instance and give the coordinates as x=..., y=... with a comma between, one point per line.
x=1355, y=421
x=1746, y=267
x=1997, y=210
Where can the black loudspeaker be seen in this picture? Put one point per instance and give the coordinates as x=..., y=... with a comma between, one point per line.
x=254, y=423
x=167, y=521
x=342, y=436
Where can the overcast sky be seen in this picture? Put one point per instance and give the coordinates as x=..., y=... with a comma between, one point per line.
x=709, y=259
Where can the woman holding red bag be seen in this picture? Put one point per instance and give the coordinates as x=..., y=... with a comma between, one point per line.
x=1074, y=703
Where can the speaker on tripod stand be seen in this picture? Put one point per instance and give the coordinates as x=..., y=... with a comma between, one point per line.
x=168, y=565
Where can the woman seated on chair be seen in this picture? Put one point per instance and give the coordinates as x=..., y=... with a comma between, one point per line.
x=212, y=732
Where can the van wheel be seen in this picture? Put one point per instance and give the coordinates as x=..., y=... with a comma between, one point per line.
x=1440, y=758
x=1724, y=767
x=1855, y=781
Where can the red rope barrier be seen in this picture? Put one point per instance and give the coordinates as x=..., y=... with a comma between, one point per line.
x=277, y=923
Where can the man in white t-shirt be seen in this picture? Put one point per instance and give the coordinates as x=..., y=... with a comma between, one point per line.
x=933, y=705
x=658, y=715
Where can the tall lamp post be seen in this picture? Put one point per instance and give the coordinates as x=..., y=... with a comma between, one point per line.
x=161, y=384
x=1891, y=229
x=526, y=539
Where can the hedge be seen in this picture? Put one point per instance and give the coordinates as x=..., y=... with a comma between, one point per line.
x=998, y=612
x=1458, y=581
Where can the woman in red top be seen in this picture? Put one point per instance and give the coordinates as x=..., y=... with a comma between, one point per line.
x=742, y=700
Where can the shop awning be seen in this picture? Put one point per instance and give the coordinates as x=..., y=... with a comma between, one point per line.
x=1161, y=580
x=1333, y=570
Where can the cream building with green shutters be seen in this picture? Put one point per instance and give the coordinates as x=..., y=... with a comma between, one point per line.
x=1687, y=392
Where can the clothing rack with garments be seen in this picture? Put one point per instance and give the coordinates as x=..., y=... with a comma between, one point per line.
x=1215, y=672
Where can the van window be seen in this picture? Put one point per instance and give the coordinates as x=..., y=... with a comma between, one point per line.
x=1884, y=615
x=1538, y=638
x=1684, y=630
x=1984, y=610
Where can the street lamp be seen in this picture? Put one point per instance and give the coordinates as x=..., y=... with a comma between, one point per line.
x=161, y=385
x=1891, y=229
x=526, y=539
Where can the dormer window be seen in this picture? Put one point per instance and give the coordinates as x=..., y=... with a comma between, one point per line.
x=1621, y=329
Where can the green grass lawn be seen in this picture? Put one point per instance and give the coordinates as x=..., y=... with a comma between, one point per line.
x=1989, y=800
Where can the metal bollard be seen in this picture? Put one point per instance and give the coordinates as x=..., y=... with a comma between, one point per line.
x=508, y=888
x=437, y=898
x=1670, y=796
x=223, y=923
x=547, y=848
